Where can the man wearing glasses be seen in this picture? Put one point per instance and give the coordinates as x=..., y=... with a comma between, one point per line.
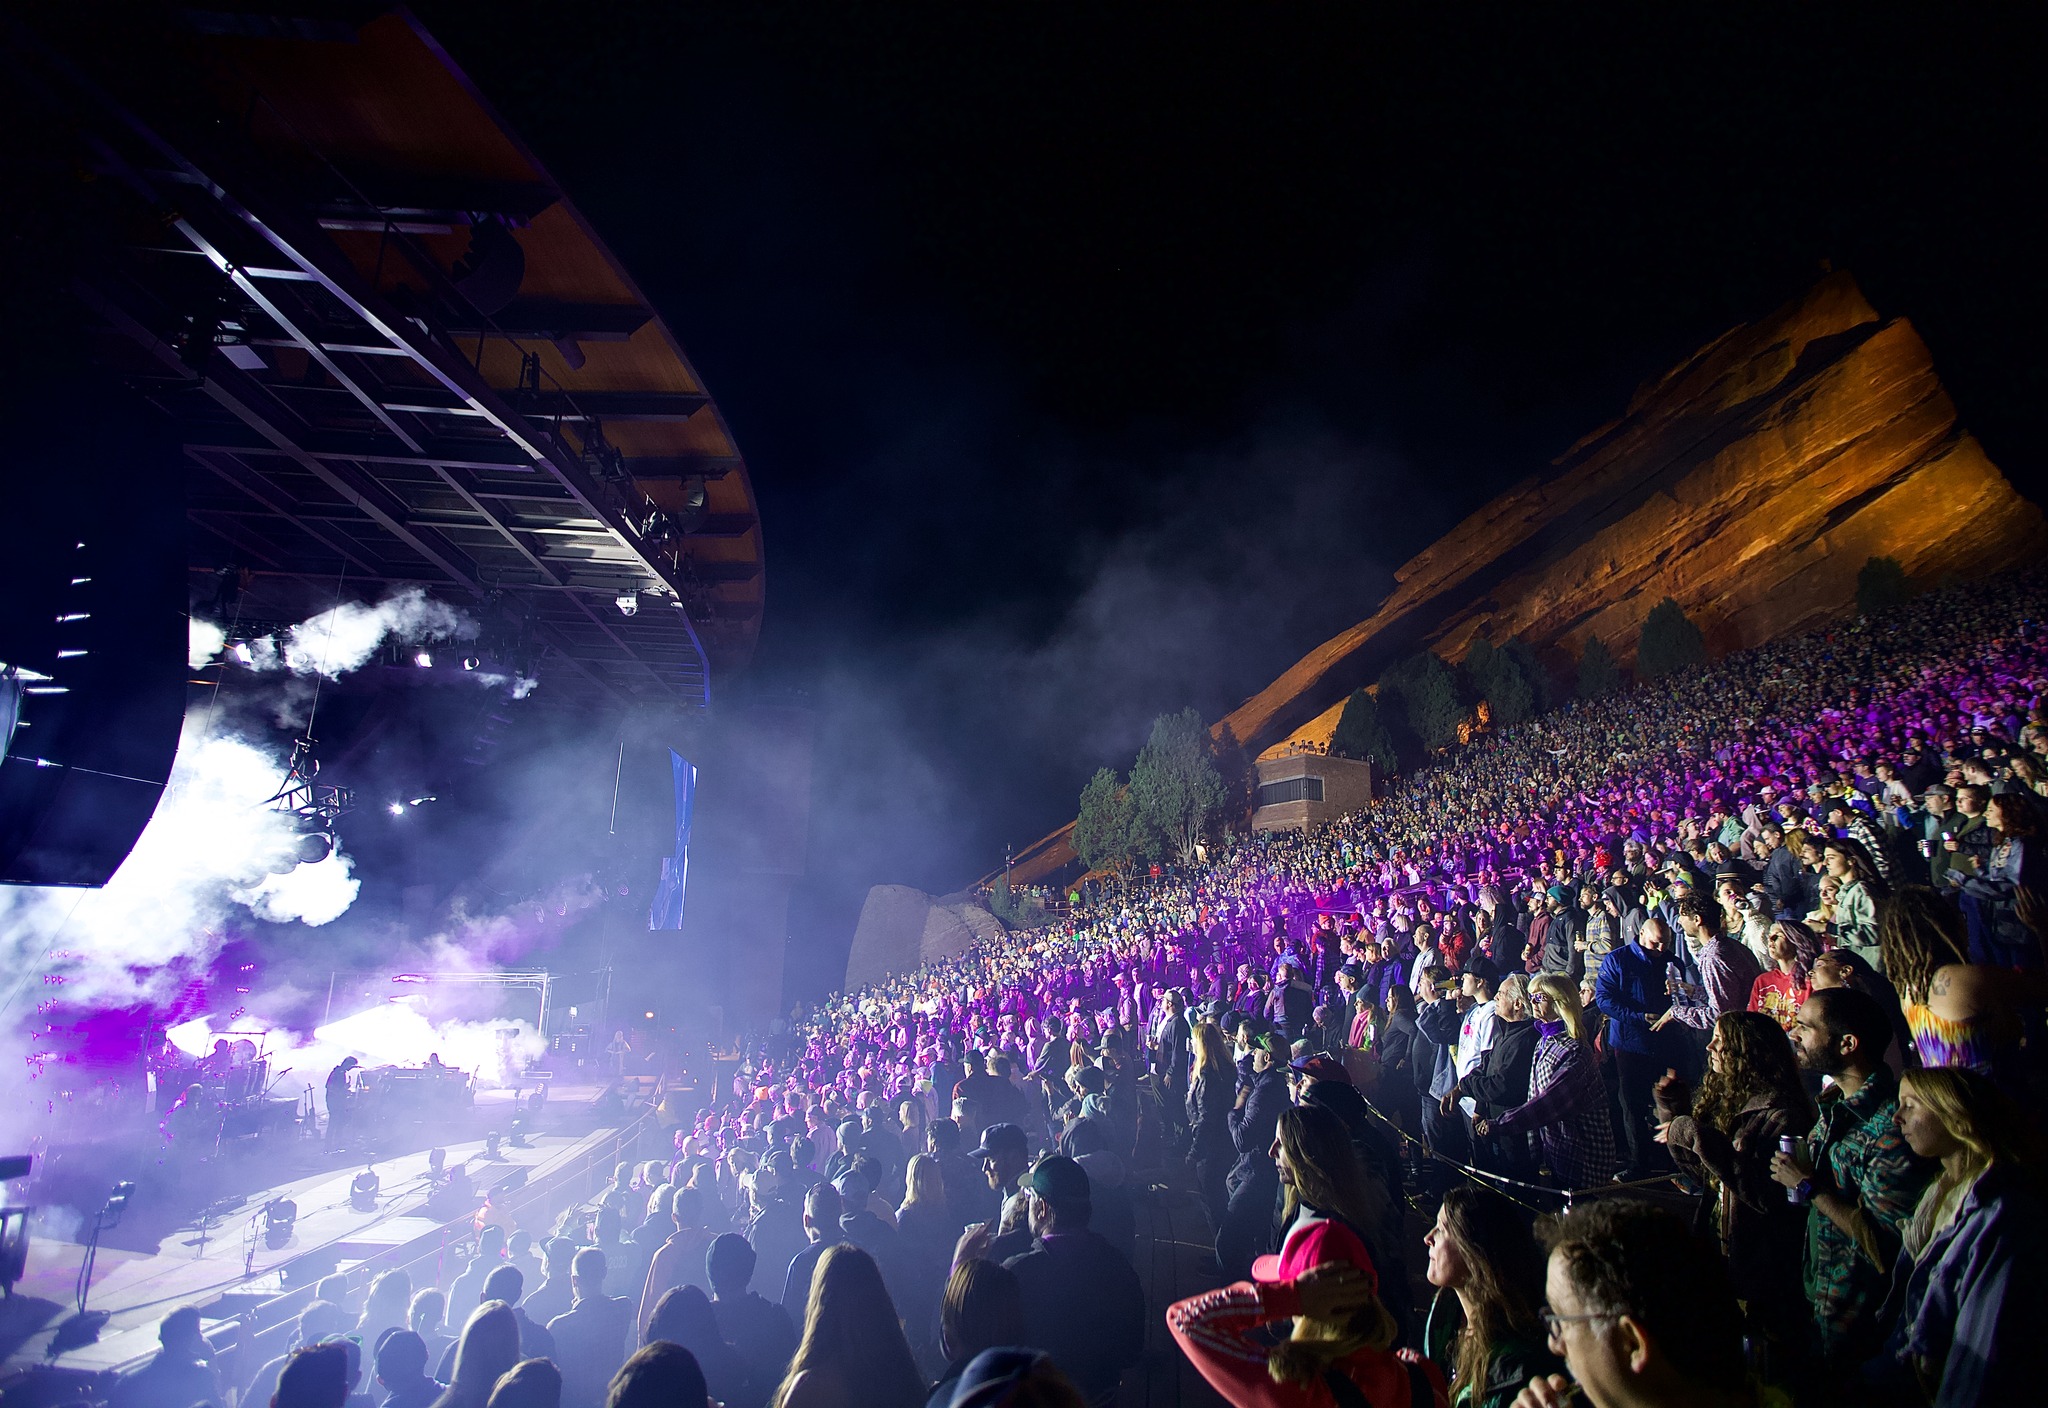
x=1642, y=1312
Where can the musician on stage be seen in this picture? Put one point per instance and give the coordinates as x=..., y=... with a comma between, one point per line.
x=338, y=1098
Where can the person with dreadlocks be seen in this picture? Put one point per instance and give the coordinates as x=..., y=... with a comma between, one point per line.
x=1960, y=1013
x=1723, y=1137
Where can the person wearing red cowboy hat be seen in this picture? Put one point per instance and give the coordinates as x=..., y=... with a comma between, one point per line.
x=1339, y=1351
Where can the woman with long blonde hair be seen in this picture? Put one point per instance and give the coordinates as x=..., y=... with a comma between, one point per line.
x=1567, y=1105
x=1211, y=1093
x=1972, y=1272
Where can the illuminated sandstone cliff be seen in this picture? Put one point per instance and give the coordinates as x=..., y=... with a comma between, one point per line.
x=1751, y=483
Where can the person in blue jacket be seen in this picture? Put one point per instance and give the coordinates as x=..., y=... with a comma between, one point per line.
x=1634, y=993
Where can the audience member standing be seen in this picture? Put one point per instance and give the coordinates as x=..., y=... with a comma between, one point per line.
x=853, y=1354
x=596, y=1334
x=1083, y=1304
x=759, y=1329
x=1857, y=1170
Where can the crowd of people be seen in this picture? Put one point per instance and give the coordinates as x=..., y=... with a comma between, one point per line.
x=1675, y=1047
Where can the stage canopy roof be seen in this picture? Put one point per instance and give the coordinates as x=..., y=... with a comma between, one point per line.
x=396, y=353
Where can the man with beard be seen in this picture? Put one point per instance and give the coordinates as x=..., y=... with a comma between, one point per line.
x=1863, y=1180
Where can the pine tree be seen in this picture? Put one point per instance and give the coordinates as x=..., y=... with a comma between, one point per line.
x=1881, y=585
x=1104, y=831
x=1361, y=735
x=1176, y=789
x=1598, y=674
x=1670, y=642
x=1428, y=694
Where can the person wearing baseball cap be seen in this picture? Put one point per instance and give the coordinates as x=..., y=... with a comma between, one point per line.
x=1083, y=1303
x=1004, y=1153
x=1324, y=1282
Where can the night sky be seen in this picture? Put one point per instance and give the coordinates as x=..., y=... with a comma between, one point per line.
x=1094, y=365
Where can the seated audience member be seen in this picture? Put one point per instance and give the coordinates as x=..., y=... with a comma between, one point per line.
x=484, y=1353
x=983, y=1309
x=853, y=1354
x=1973, y=1271
x=1014, y=1377
x=1341, y=1334
x=554, y=1295
x=759, y=1329
x=427, y=1317
x=181, y=1373
x=317, y=1321
x=531, y=1383
x=316, y=1376
x=659, y=1375
x=505, y=1284
x=1485, y=1325
x=1642, y=1311
x=401, y=1363
x=683, y=1316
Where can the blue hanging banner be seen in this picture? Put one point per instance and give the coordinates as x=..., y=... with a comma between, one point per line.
x=667, y=910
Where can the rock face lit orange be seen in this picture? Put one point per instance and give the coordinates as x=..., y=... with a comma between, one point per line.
x=1750, y=483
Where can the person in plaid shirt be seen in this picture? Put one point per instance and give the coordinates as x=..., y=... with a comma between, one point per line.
x=1863, y=1179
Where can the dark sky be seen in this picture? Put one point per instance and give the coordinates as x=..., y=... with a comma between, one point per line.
x=1093, y=365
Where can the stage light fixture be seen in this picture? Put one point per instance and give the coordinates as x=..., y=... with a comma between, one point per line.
x=471, y=662
x=491, y=1145
x=396, y=809
x=117, y=1203
x=313, y=847
x=363, y=1190
x=628, y=603
x=424, y=659
x=437, y=1164
x=279, y=1215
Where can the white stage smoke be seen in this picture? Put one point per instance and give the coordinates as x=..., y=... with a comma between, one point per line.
x=341, y=639
x=204, y=642
x=211, y=847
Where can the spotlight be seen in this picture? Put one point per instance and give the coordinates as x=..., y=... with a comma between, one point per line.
x=437, y=1163
x=424, y=659
x=471, y=662
x=518, y=1139
x=278, y=1216
x=240, y=650
x=396, y=809
x=362, y=1191
x=117, y=1203
x=628, y=603
x=313, y=847
x=491, y=1145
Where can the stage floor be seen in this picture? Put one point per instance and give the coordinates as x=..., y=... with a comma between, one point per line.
x=221, y=1265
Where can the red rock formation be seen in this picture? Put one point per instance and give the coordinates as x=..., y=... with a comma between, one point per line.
x=1751, y=483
